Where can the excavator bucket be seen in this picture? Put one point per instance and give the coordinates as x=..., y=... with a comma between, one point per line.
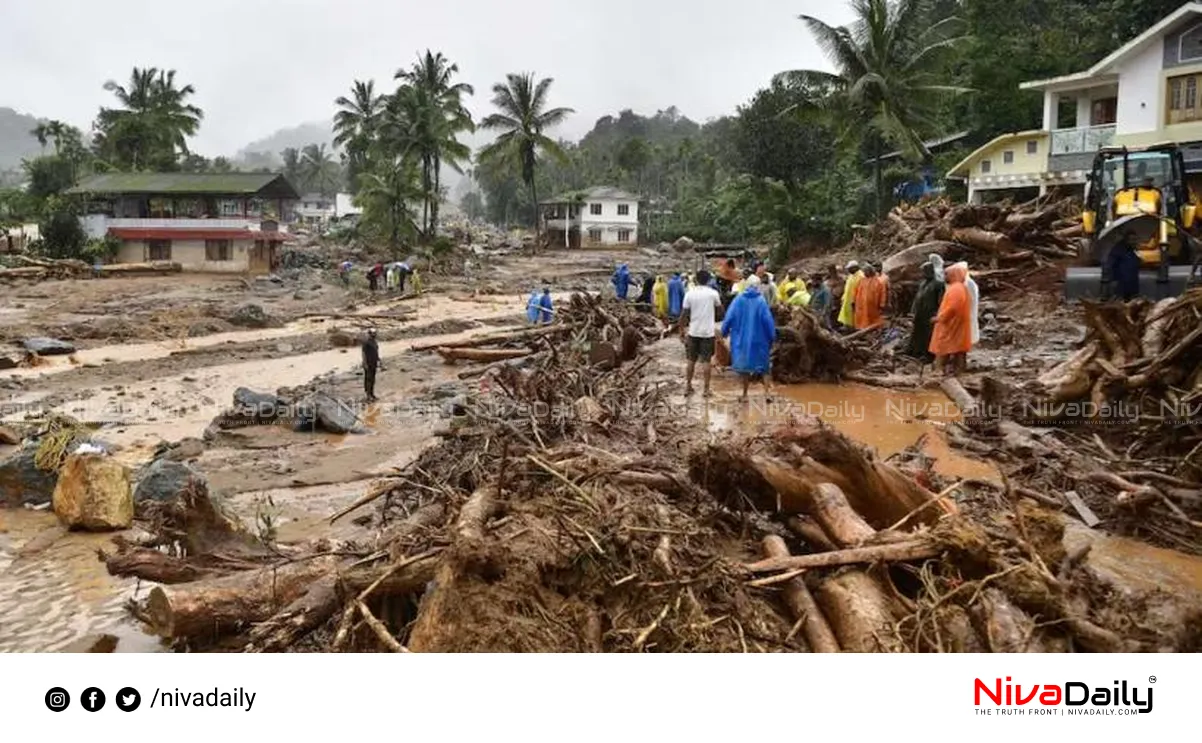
x=1088, y=282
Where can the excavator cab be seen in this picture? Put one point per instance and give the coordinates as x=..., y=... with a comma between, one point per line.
x=1141, y=192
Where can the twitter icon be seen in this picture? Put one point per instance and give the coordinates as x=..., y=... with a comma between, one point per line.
x=128, y=699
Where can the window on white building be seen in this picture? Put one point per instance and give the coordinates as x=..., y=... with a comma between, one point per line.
x=623, y=236
x=1008, y=157
x=219, y=250
x=594, y=209
x=623, y=210
x=1032, y=147
x=986, y=166
x=594, y=234
x=158, y=250
x=231, y=208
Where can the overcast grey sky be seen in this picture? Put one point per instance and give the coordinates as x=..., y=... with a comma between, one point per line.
x=260, y=66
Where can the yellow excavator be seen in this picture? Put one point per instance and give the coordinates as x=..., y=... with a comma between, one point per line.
x=1140, y=193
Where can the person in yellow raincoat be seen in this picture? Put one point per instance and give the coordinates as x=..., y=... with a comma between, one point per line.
x=659, y=297
x=847, y=315
x=782, y=289
x=799, y=295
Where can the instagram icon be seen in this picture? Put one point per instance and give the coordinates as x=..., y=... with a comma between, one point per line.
x=57, y=699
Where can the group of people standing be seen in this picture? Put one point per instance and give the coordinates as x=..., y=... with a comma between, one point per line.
x=945, y=310
x=391, y=275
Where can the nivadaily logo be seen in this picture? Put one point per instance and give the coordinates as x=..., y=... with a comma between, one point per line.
x=1070, y=698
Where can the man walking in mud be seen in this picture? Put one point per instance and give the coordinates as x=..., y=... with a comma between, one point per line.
x=700, y=308
x=371, y=363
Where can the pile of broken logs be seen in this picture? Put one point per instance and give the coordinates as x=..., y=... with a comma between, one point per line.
x=1007, y=246
x=576, y=512
x=41, y=269
x=613, y=331
x=805, y=351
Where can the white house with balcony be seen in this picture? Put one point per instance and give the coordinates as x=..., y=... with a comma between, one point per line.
x=227, y=222
x=601, y=215
x=1145, y=92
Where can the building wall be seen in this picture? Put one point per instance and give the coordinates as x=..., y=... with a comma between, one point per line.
x=1024, y=162
x=609, y=222
x=1183, y=47
x=191, y=255
x=1141, y=93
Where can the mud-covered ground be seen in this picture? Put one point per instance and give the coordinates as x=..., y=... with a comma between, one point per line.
x=159, y=359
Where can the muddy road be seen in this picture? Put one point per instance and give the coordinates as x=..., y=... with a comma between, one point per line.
x=146, y=392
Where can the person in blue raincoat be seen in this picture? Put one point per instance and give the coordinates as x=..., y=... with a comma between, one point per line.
x=676, y=291
x=621, y=281
x=546, y=309
x=533, y=307
x=752, y=330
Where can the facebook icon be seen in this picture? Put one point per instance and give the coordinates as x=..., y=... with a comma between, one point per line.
x=92, y=699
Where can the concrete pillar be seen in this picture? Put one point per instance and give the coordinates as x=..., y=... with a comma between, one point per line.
x=1051, y=108
x=1084, y=106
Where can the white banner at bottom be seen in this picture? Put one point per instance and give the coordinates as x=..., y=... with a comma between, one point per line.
x=598, y=697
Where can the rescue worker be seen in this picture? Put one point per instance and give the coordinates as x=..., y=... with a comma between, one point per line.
x=752, y=330
x=659, y=297
x=925, y=307
x=1123, y=268
x=546, y=308
x=621, y=281
x=676, y=291
x=533, y=307
x=371, y=362
x=871, y=294
x=951, y=339
x=847, y=317
x=821, y=301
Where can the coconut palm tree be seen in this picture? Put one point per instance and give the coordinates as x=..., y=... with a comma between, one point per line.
x=386, y=197
x=292, y=165
x=522, y=120
x=318, y=169
x=885, y=85
x=433, y=116
x=41, y=133
x=154, y=121
x=355, y=126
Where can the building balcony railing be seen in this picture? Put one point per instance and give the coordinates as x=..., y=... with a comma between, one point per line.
x=1081, y=139
x=560, y=223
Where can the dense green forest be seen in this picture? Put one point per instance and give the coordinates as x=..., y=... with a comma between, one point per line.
x=797, y=163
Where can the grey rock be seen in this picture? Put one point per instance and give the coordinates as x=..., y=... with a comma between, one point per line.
x=48, y=346
x=188, y=448
x=302, y=295
x=163, y=480
x=329, y=414
x=257, y=405
x=251, y=316
x=445, y=391
x=8, y=362
x=22, y=483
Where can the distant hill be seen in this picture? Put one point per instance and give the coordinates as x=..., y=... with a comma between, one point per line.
x=16, y=142
x=313, y=132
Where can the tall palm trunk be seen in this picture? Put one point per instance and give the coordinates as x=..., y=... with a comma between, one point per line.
x=426, y=199
x=537, y=226
x=436, y=196
x=877, y=176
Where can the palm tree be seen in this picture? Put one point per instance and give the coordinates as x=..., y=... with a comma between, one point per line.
x=292, y=165
x=41, y=133
x=358, y=115
x=433, y=116
x=386, y=194
x=885, y=80
x=154, y=122
x=57, y=129
x=522, y=120
x=318, y=169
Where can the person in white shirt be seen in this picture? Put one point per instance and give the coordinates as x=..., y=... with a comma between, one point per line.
x=698, y=316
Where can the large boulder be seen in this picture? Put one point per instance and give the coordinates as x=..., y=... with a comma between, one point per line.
x=335, y=416
x=259, y=406
x=48, y=346
x=9, y=362
x=328, y=414
x=683, y=244
x=8, y=436
x=94, y=493
x=164, y=480
x=22, y=483
x=251, y=316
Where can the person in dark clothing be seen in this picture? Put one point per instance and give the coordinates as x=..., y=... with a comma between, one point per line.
x=1124, y=268
x=371, y=363
x=645, y=295
x=374, y=274
x=924, y=309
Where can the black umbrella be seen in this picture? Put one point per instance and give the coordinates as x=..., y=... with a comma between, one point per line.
x=1143, y=227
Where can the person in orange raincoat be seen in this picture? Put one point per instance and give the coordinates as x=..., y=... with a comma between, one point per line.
x=869, y=302
x=951, y=339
